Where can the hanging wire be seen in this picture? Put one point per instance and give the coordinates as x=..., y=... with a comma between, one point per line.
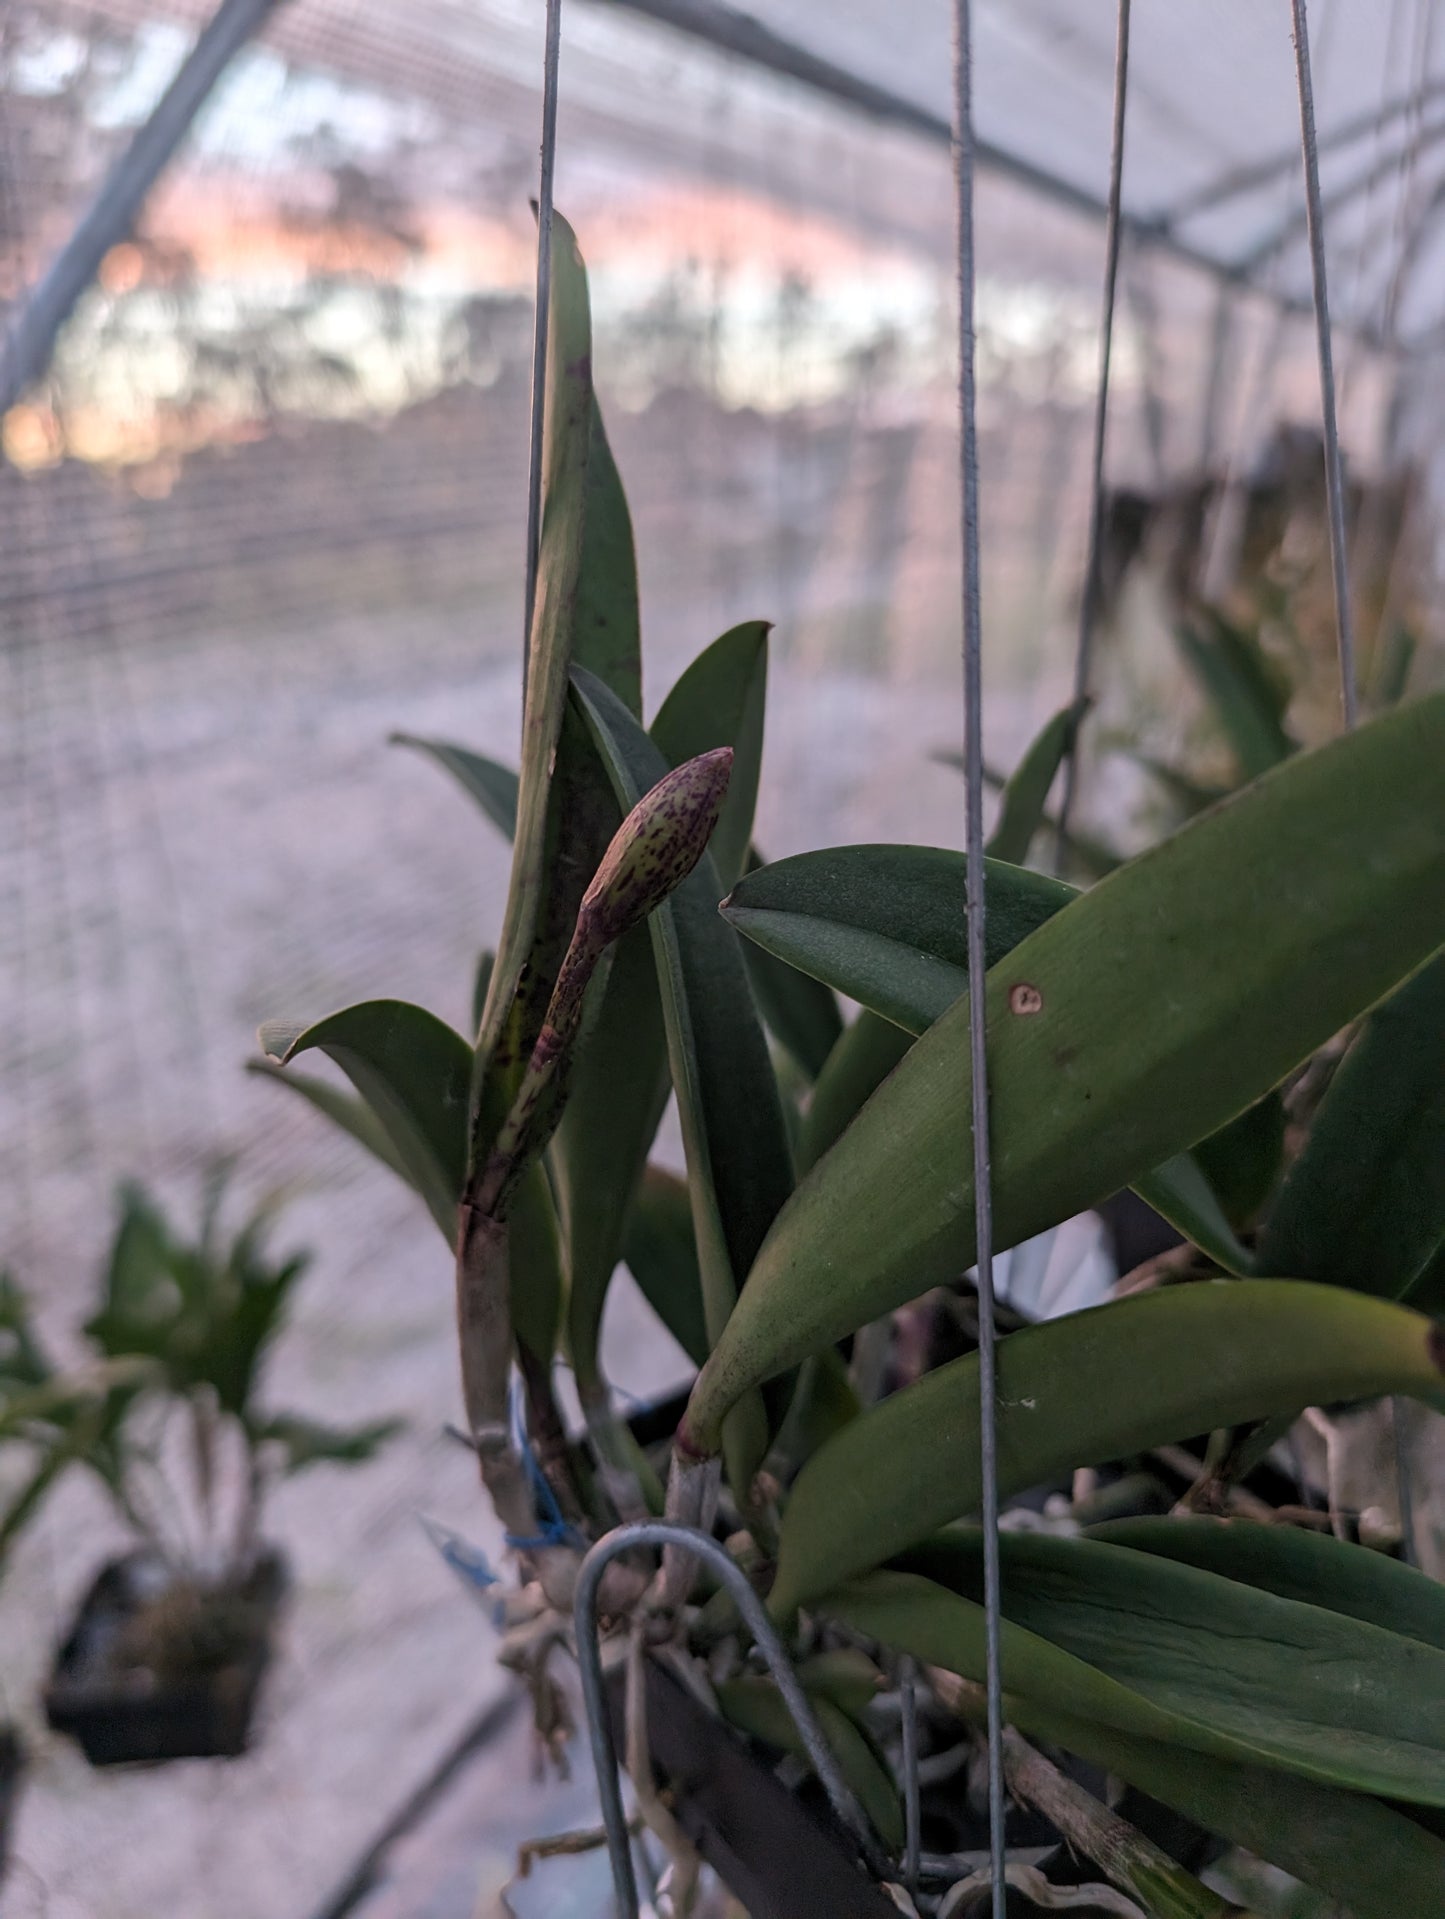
x=660, y=1532
x=1409, y=210
x=912, y=1809
x=1088, y=608
x=550, y=60
x=963, y=168
x=1335, y=490
x=1334, y=473
x=1358, y=344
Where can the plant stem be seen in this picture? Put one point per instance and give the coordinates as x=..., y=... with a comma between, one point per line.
x=633, y=1486
x=1122, y=1853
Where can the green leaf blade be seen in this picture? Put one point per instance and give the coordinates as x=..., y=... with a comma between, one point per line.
x=885, y=924
x=1160, y=1366
x=719, y=701
x=661, y=1254
x=1310, y=1567
x=1364, y=1204
x=760, y=1710
x=414, y=1073
x=1025, y=798
x=739, y=1165
x=620, y=1086
x=1150, y=1019
x=491, y=785
x=1289, y=1683
x=1346, y=1844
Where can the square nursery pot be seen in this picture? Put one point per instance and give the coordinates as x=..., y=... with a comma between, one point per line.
x=12, y=1760
x=120, y=1711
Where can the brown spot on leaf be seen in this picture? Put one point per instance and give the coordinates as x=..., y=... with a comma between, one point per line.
x=1024, y=999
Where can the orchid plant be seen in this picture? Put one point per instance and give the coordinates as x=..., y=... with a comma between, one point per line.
x=1279, y=1687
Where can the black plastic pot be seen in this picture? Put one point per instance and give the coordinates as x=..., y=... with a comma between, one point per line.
x=121, y=1713
x=12, y=1763
x=783, y=1855
x=780, y=1855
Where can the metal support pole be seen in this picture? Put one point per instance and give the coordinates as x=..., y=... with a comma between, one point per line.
x=112, y=214
x=963, y=169
x=551, y=60
x=912, y=1804
x=702, y=1545
x=1088, y=608
x=1334, y=471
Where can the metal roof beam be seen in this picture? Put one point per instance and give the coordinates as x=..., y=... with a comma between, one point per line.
x=111, y=216
x=730, y=30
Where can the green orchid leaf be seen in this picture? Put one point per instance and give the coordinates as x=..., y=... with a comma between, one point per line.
x=1346, y=1844
x=414, y=1076
x=528, y=932
x=1025, y=799
x=660, y=1249
x=759, y=1709
x=845, y=1675
x=607, y=622
x=585, y=614
x=1137, y=1020
x=1159, y=1367
x=620, y=1086
x=886, y=924
x=914, y=1614
x=801, y=1013
x=345, y=1110
x=719, y=701
x=734, y=1135
x=1179, y=1192
x=1243, y=1160
x=1341, y=1700
x=1246, y=691
x=414, y=1073
x=865, y=1054
x=492, y=786
x=1313, y=1568
x=618, y=1094
x=1374, y=1858
x=828, y=911
x=1364, y=1204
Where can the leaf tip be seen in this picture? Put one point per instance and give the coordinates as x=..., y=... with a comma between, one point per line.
x=277, y=1038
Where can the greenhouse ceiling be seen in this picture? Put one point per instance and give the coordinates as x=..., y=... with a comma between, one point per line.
x=1212, y=163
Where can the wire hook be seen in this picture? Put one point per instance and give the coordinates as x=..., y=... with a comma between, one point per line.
x=659, y=1532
